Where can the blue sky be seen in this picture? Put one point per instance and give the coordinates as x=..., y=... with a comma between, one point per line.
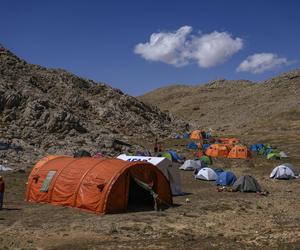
x=98, y=39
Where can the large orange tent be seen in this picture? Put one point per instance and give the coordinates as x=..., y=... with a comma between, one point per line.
x=196, y=135
x=217, y=150
x=98, y=185
x=239, y=152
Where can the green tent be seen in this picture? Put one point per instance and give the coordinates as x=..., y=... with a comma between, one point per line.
x=206, y=159
x=273, y=155
x=167, y=155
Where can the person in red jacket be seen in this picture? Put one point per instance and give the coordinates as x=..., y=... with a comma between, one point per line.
x=2, y=189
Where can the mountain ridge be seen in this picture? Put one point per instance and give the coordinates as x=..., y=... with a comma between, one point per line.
x=232, y=105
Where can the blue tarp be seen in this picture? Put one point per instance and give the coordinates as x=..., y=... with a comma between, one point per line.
x=226, y=178
x=192, y=145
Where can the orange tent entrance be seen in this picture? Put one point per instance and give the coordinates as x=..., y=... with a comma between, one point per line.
x=98, y=185
x=217, y=150
x=239, y=152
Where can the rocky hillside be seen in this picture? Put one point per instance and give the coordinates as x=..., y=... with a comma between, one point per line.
x=273, y=105
x=52, y=111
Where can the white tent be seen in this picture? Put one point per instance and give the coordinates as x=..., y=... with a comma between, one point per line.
x=165, y=165
x=191, y=165
x=206, y=174
x=282, y=154
x=4, y=169
x=284, y=171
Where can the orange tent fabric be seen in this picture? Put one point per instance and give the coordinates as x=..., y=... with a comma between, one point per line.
x=196, y=135
x=98, y=185
x=239, y=152
x=230, y=141
x=217, y=150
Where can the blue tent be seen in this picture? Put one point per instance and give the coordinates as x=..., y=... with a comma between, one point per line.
x=177, y=136
x=186, y=135
x=175, y=156
x=208, y=135
x=218, y=171
x=205, y=146
x=256, y=147
x=192, y=145
x=226, y=178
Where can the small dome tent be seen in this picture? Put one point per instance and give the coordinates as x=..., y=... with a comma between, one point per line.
x=175, y=156
x=206, y=174
x=186, y=136
x=205, y=146
x=98, y=185
x=199, y=154
x=191, y=165
x=217, y=150
x=226, y=178
x=196, y=135
x=239, y=152
x=256, y=147
x=285, y=171
x=246, y=183
x=206, y=159
x=192, y=145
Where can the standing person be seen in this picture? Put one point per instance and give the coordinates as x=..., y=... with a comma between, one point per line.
x=156, y=146
x=160, y=147
x=2, y=189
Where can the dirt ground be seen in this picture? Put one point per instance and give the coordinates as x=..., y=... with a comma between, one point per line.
x=211, y=220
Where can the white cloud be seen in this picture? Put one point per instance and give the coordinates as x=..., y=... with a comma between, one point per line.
x=166, y=47
x=214, y=48
x=181, y=47
x=261, y=62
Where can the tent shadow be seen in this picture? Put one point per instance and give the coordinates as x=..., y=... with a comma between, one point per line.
x=176, y=205
x=183, y=194
x=10, y=209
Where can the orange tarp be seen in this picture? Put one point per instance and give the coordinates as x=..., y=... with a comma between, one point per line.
x=217, y=150
x=240, y=152
x=98, y=185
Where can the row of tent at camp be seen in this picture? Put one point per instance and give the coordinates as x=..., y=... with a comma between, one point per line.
x=207, y=137
x=227, y=147
x=268, y=151
x=237, y=151
x=108, y=185
x=284, y=171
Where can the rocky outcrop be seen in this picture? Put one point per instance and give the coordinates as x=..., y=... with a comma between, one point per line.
x=55, y=111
